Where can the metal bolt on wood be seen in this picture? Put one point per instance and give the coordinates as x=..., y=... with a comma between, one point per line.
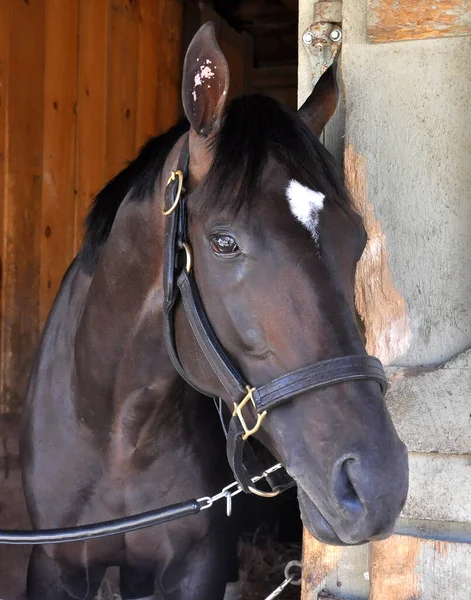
x=308, y=38
x=336, y=35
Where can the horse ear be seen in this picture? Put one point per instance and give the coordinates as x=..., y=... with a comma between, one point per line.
x=321, y=104
x=205, y=82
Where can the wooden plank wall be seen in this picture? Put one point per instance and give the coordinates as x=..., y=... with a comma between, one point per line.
x=405, y=567
x=83, y=83
x=399, y=568
x=389, y=20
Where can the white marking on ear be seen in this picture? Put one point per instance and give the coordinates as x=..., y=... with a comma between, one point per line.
x=305, y=205
x=205, y=73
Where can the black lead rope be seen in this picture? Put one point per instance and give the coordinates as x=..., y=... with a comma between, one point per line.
x=98, y=530
x=83, y=533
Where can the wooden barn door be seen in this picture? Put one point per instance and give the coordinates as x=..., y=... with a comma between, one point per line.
x=83, y=83
x=404, y=131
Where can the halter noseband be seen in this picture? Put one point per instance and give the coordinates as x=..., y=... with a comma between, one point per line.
x=179, y=282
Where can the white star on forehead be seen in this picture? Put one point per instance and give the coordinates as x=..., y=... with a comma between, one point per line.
x=305, y=204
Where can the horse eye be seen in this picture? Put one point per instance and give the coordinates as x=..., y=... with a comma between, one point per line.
x=223, y=244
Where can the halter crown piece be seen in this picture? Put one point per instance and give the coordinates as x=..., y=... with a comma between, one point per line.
x=179, y=283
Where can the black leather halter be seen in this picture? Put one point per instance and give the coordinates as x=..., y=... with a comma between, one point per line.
x=179, y=282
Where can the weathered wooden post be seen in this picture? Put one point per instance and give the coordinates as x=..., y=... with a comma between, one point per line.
x=407, y=160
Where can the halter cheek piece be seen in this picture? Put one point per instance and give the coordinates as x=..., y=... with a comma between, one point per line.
x=179, y=282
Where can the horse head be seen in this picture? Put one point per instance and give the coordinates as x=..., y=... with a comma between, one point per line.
x=274, y=242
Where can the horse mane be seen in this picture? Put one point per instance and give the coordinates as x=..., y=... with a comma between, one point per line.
x=254, y=127
x=139, y=175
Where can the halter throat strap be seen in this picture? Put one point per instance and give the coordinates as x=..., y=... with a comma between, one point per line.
x=250, y=404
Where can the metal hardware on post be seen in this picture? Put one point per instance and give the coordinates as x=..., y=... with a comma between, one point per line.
x=238, y=413
x=308, y=38
x=323, y=39
x=336, y=35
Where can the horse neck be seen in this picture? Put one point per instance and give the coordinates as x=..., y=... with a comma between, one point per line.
x=120, y=355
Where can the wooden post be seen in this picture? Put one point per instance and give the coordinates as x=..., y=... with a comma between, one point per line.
x=390, y=21
x=406, y=108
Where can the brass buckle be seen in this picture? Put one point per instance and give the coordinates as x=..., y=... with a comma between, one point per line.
x=173, y=176
x=189, y=259
x=238, y=413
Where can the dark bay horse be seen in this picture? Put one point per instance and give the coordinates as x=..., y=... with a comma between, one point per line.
x=110, y=427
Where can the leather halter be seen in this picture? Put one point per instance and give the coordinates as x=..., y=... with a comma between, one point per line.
x=179, y=282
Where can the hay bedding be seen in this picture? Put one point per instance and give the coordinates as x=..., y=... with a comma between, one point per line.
x=262, y=562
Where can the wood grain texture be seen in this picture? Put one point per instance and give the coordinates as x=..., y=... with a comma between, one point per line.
x=149, y=51
x=380, y=306
x=390, y=20
x=393, y=569
x=23, y=203
x=91, y=108
x=159, y=67
x=407, y=568
x=58, y=185
x=318, y=561
x=169, y=67
x=4, y=41
x=121, y=84
x=335, y=571
x=83, y=84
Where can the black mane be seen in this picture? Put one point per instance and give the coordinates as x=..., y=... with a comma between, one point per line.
x=254, y=127
x=140, y=175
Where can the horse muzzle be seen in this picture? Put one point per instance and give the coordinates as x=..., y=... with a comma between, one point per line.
x=363, y=502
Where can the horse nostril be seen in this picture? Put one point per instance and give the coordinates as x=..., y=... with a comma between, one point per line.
x=344, y=489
